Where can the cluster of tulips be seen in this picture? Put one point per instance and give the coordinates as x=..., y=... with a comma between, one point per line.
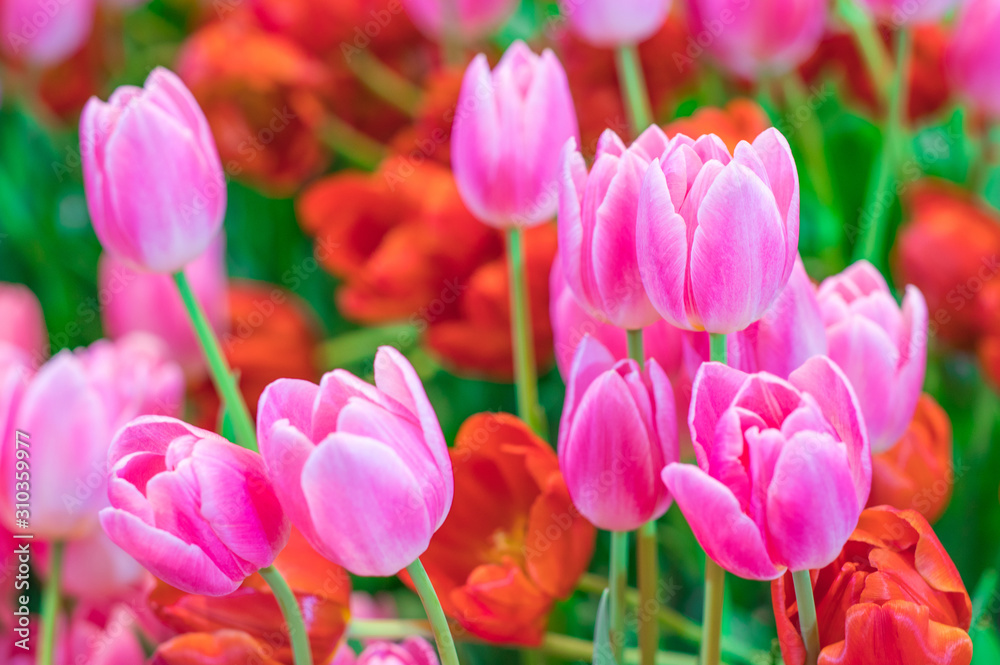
x=702, y=365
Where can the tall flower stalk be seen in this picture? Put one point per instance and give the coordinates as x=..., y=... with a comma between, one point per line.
x=715, y=576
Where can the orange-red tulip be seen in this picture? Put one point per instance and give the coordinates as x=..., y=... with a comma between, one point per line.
x=225, y=647
x=739, y=120
x=892, y=597
x=513, y=543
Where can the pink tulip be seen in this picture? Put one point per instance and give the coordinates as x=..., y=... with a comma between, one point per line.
x=784, y=468
x=363, y=472
x=881, y=347
x=908, y=12
x=195, y=509
x=98, y=571
x=70, y=411
x=616, y=22
x=411, y=651
x=23, y=323
x=44, y=32
x=474, y=19
x=597, y=227
x=510, y=126
x=618, y=431
x=93, y=636
x=717, y=235
x=149, y=302
x=753, y=38
x=154, y=182
x=974, y=55
x=790, y=332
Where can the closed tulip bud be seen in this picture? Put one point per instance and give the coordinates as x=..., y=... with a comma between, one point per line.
x=44, y=33
x=363, y=472
x=881, y=347
x=974, y=55
x=471, y=19
x=618, y=432
x=717, y=235
x=196, y=510
x=753, y=38
x=613, y=23
x=23, y=323
x=908, y=12
x=597, y=227
x=789, y=333
x=154, y=182
x=892, y=597
x=784, y=468
x=510, y=127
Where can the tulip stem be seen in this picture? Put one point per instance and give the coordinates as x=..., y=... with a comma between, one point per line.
x=715, y=577
x=435, y=614
x=718, y=349
x=618, y=583
x=297, y=634
x=385, y=82
x=222, y=374
x=633, y=85
x=870, y=44
x=525, y=377
x=881, y=197
x=807, y=614
x=50, y=605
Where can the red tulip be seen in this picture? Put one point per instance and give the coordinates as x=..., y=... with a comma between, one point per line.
x=225, y=647
x=739, y=120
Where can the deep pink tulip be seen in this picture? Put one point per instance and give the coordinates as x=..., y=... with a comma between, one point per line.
x=616, y=22
x=754, y=38
x=363, y=471
x=94, y=635
x=196, y=510
x=974, y=55
x=790, y=332
x=411, y=651
x=784, y=468
x=717, y=236
x=597, y=226
x=474, y=19
x=881, y=347
x=618, y=431
x=154, y=182
x=908, y=12
x=44, y=32
x=71, y=410
x=510, y=127
x=23, y=323
x=149, y=302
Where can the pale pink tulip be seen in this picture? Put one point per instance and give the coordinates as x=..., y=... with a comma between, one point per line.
x=23, y=322
x=754, y=38
x=881, y=347
x=510, y=127
x=618, y=431
x=45, y=32
x=784, y=468
x=362, y=471
x=196, y=510
x=616, y=22
x=974, y=55
x=717, y=235
x=472, y=19
x=154, y=181
x=908, y=12
x=98, y=571
x=94, y=635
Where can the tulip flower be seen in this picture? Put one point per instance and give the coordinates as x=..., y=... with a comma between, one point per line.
x=43, y=33
x=195, y=509
x=784, y=468
x=906, y=12
x=881, y=347
x=94, y=635
x=411, y=651
x=149, y=302
x=892, y=597
x=608, y=23
x=96, y=570
x=363, y=472
x=790, y=332
x=618, y=431
x=597, y=227
x=510, y=125
x=760, y=37
x=717, y=235
x=23, y=323
x=225, y=647
x=973, y=55
x=917, y=471
x=471, y=20
x=94, y=391
x=741, y=119
x=155, y=186
x=496, y=565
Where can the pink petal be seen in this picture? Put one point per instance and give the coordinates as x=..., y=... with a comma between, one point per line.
x=475, y=140
x=773, y=150
x=715, y=387
x=662, y=248
x=292, y=400
x=591, y=360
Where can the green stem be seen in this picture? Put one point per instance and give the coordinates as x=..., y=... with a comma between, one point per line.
x=715, y=577
x=807, y=614
x=50, y=605
x=385, y=82
x=718, y=351
x=618, y=583
x=872, y=245
x=870, y=44
x=353, y=145
x=811, y=139
x=521, y=333
x=633, y=85
x=222, y=374
x=439, y=623
x=297, y=634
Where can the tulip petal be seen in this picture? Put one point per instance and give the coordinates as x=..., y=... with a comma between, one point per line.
x=662, y=248
x=291, y=400
x=772, y=148
x=715, y=387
